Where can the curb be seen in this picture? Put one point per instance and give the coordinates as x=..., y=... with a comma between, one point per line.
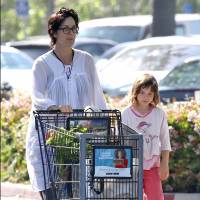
x=26, y=191
x=169, y=196
x=19, y=190
x=187, y=196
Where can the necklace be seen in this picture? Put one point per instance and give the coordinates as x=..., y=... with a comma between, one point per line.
x=67, y=68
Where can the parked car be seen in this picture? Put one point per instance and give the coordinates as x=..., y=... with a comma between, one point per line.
x=93, y=46
x=134, y=28
x=15, y=68
x=157, y=55
x=103, y=59
x=33, y=46
x=182, y=82
x=38, y=45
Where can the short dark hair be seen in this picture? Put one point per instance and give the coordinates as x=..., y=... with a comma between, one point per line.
x=57, y=19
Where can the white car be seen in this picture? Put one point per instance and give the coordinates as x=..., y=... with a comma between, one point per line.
x=157, y=56
x=135, y=27
x=16, y=68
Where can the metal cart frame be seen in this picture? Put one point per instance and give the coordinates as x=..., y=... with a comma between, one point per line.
x=119, y=135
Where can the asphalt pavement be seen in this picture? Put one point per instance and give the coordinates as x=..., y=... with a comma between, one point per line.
x=10, y=191
x=15, y=198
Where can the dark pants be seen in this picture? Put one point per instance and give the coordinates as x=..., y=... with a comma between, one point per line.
x=48, y=194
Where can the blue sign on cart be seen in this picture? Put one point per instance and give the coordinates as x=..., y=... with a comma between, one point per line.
x=112, y=161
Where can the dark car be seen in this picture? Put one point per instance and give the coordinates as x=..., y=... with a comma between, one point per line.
x=33, y=46
x=93, y=46
x=182, y=82
x=38, y=45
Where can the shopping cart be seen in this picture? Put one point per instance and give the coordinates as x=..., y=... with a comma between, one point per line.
x=71, y=146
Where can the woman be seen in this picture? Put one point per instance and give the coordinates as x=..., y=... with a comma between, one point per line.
x=120, y=159
x=63, y=78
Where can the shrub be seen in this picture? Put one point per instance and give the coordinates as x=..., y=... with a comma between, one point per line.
x=183, y=118
x=14, y=121
x=184, y=121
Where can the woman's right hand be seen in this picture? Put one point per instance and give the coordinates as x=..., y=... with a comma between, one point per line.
x=62, y=108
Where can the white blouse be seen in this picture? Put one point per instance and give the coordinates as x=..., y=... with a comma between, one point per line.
x=52, y=87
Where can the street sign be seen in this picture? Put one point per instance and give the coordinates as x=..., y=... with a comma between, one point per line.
x=22, y=8
x=187, y=8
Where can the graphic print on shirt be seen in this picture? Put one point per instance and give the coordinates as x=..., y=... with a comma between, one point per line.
x=148, y=140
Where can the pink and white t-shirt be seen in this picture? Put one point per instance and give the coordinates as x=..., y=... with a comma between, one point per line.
x=154, y=127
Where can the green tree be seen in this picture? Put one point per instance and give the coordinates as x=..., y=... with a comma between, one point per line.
x=195, y=5
x=38, y=17
x=89, y=9
x=10, y=24
x=16, y=28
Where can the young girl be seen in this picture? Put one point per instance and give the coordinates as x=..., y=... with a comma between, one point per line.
x=145, y=117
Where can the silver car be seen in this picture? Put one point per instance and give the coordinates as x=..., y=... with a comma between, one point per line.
x=135, y=27
x=157, y=56
x=16, y=68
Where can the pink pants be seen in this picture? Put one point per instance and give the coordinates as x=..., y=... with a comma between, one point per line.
x=152, y=185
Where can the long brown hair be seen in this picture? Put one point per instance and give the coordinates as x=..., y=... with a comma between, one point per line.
x=145, y=81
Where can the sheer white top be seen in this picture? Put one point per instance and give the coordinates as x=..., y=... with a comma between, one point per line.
x=52, y=87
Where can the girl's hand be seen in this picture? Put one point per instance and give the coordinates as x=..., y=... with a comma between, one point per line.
x=62, y=108
x=144, y=196
x=164, y=170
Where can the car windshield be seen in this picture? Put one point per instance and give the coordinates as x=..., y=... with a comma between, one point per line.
x=154, y=57
x=15, y=60
x=115, y=33
x=184, y=76
x=94, y=49
x=194, y=28
x=34, y=51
